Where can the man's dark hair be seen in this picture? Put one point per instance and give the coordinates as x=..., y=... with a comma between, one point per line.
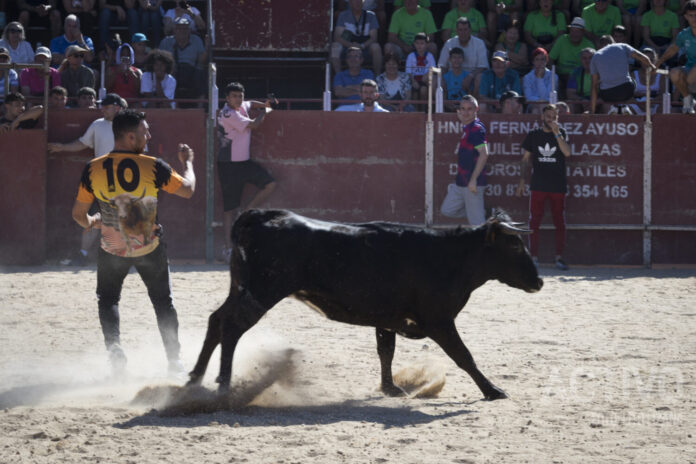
x=87, y=91
x=548, y=107
x=126, y=121
x=457, y=51
x=162, y=56
x=233, y=87
x=368, y=83
x=59, y=90
x=605, y=40
x=690, y=6
x=463, y=20
x=14, y=96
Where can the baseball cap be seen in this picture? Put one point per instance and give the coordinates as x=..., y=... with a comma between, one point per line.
x=138, y=37
x=4, y=52
x=112, y=99
x=500, y=55
x=539, y=51
x=577, y=22
x=508, y=94
x=71, y=50
x=182, y=20
x=43, y=51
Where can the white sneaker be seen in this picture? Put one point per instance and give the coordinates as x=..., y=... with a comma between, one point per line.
x=688, y=105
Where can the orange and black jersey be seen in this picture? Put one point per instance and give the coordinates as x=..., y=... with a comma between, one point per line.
x=126, y=185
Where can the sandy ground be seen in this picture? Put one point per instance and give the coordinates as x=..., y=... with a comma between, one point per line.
x=599, y=367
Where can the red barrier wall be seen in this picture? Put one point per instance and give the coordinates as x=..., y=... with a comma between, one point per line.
x=360, y=167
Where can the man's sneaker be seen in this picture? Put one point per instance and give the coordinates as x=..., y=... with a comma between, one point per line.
x=176, y=370
x=560, y=264
x=118, y=360
x=688, y=105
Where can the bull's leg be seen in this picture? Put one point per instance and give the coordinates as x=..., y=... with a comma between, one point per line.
x=447, y=337
x=386, y=341
x=247, y=313
x=212, y=338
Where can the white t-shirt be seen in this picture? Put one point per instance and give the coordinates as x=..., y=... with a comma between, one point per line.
x=100, y=137
x=147, y=85
x=475, y=53
x=235, y=123
x=22, y=54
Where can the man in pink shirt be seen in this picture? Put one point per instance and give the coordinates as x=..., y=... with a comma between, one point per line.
x=235, y=168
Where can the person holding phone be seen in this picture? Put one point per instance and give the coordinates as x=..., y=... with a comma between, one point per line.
x=182, y=9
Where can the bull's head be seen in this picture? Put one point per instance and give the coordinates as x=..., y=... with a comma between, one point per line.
x=511, y=262
x=123, y=202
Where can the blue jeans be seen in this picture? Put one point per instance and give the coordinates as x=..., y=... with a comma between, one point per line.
x=152, y=18
x=108, y=18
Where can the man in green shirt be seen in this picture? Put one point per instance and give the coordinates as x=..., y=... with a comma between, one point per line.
x=600, y=19
x=465, y=9
x=660, y=27
x=565, y=53
x=405, y=23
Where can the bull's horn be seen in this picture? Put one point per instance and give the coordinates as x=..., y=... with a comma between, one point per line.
x=509, y=229
x=141, y=196
x=110, y=200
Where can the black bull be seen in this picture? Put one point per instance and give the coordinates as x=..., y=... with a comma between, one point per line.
x=397, y=278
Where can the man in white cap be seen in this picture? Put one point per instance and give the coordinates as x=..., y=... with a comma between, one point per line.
x=565, y=53
x=190, y=56
x=99, y=137
x=31, y=80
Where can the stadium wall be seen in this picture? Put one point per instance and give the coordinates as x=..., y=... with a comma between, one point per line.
x=361, y=167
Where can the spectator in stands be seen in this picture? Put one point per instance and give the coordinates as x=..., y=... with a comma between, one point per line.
x=123, y=78
x=369, y=97
x=140, y=49
x=565, y=53
x=150, y=19
x=73, y=36
x=561, y=5
x=418, y=63
x=113, y=12
x=12, y=74
x=157, y=81
x=183, y=10
x=73, y=73
x=465, y=9
x=394, y=85
x=657, y=85
x=475, y=53
x=377, y=7
x=511, y=102
x=346, y=84
x=600, y=18
x=516, y=50
x=543, y=26
x=609, y=67
x=16, y=117
x=40, y=13
x=108, y=53
x=492, y=83
x=457, y=81
x=500, y=14
x=190, y=57
x=405, y=23
x=87, y=98
x=356, y=27
x=631, y=12
x=579, y=87
x=32, y=79
x=57, y=98
x=660, y=27
x=618, y=33
x=14, y=40
x=85, y=10
x=539, y=83
x=684, y=77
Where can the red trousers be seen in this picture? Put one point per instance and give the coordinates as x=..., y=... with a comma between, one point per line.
x=537, y=202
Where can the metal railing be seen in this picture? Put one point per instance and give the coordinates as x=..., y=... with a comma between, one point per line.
x=5, y=69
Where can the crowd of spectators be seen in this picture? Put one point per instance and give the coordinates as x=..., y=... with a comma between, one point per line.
x=149, y=51
x=488, y=48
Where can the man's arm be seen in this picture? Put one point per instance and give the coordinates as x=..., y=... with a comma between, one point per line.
x=525, y=172
x=188, y=185
x=256, y=122
x=33, y=113
x=669, y=53
x=562, y=144
x=75, y=145
x=480, y=164
x=80, y=213
x=644, y=60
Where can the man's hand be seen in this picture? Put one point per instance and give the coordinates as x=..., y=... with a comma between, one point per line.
x=54, y=147
x=554, y=128
x=520, y=188
x=472, y=186
x=185, y=153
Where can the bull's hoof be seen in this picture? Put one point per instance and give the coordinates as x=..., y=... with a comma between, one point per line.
x=495, y=394
x=392, y=390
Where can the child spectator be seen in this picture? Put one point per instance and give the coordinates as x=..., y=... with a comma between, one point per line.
x=418, y=63
x=57, y=98
x=457, y=81
x=87, y=98
x=157, y=80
